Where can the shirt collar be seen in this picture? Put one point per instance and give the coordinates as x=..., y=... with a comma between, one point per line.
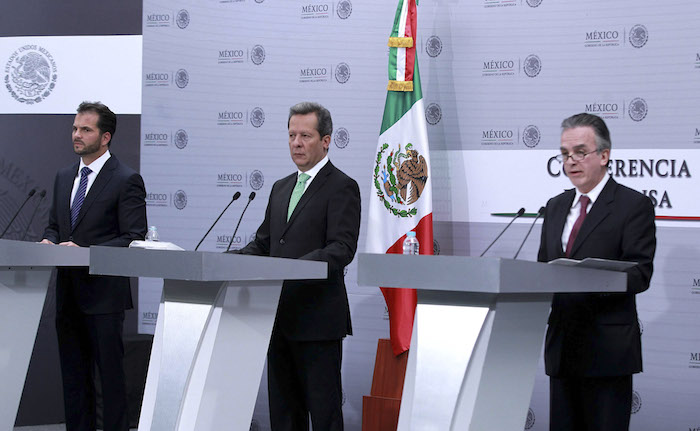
x=317, y=167
x=593, y=194
x=97, y=165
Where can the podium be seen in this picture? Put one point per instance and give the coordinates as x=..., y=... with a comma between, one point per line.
x=477, y=334
x=25, y=272
x=213, y=330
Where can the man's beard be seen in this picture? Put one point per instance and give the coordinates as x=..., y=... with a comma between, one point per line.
x=88, y=149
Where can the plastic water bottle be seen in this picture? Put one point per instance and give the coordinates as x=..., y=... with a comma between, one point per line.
x=152, y=234
x=410, y=244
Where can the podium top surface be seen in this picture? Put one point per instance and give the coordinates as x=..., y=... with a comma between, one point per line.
x=200, y=266
x=24, y=254
x=483, y=275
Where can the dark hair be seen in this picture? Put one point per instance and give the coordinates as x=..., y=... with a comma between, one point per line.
x=106, y=121
x=324, y=124
x=602, y=134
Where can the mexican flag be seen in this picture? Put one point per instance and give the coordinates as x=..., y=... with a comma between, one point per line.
x=401, y=182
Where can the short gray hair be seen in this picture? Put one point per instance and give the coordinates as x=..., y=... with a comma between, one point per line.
x=600, y=129
x=324, y=124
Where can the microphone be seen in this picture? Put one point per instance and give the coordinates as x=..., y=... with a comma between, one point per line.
x=29, y=196
x=521, y=211
x=235, y=196
x=250, y=199
x=42, y=195
x=539, y=214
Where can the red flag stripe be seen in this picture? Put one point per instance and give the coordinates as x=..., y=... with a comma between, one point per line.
x=401, y=303
x=411, y=24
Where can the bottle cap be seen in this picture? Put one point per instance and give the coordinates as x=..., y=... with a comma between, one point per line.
x=410, y=234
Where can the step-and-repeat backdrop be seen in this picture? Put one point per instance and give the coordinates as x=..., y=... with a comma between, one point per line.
x=498, y=77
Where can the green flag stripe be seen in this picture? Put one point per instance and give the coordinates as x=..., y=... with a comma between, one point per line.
x=392, y=63
x=400, y=102
x=394, y=33
x=397, y=20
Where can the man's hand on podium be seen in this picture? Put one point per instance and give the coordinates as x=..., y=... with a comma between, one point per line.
x=66, y=243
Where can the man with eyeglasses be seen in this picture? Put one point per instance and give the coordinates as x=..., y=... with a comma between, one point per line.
x=593, y=341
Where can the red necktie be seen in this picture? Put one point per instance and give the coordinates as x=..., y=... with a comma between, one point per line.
x=583, y=200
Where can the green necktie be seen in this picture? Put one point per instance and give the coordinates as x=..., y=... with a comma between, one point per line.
x=297, y=193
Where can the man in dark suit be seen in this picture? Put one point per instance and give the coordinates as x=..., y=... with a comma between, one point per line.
x=312, y=214
x=593, y=342
x=97, y=201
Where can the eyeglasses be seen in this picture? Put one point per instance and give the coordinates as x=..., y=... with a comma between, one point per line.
x=576, y=157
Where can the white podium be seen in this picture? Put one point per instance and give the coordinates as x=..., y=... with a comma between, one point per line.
x=25, y=272
x=213, y=330
x=477, y=334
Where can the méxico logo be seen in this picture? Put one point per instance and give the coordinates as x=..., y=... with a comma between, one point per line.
x=344, y=9
x=30, y=74
x=257, y=117
x=532, y=65
x=530, y=420
x=531, y=136
x=433, y=114
x=433, y=46
x=257, y=55
x=180, y=199
x=180, y=139
x=342, y=73
x=399, y=179
x=182, y=78
x=341, y=137
x=182, y=18
x=638, y=36
x=636, y=402
x=638, y=109
x=256, y=180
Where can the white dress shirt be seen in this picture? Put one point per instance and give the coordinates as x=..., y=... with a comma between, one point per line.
x=96, y=167
x=313, y=171
x=575, y=209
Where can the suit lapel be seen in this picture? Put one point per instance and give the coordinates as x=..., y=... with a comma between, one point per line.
x=315, y=186
x=559, y=220
x=599, y=211
x=285, y=195
x=100, y=182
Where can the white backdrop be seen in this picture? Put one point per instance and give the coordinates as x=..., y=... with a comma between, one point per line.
x=498, y=78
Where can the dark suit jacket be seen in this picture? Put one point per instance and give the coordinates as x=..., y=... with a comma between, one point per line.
x=324, y=226
x=589, y=334
x=113, y=214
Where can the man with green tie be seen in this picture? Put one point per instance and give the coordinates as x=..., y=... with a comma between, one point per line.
x=312, y=214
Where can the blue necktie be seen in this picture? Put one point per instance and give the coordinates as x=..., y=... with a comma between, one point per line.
x=79, y=196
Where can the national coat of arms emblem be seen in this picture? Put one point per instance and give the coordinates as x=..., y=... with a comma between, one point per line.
x=399, y=179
